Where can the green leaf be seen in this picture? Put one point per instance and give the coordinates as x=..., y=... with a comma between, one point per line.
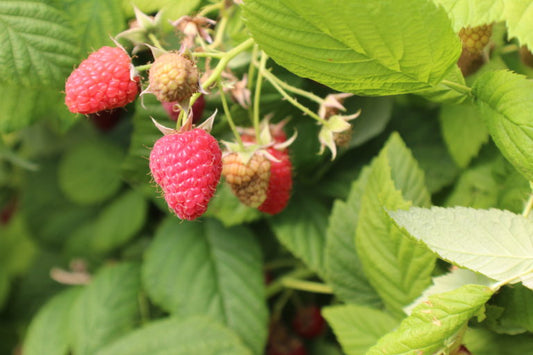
x=519, y=16
x=96, y=21
x=227, y=208
x=505, y=102
x=5, y=287
x=436, y=325
x=492, y=242
x=357, y=327
x=119, y=222
x=471, y=13
x=357, y=46
x=344, y=271
x=449, y=282
x=397, y=267
x=38, y=44
x=476, y=187
x=443, y=93
x=48, y=332
x=89, y=172
x=375, y=114
x=517, y=316
x=193, y=335
x=17, y=249
x=49, y=215
x=106, y=309
x=301, y=228
x=219, y=268
x=463, y=130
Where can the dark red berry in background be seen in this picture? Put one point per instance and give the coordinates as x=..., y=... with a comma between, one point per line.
x=281, y=342
x=197, y=109
x=308, y=322
x=7, y=211
x=106, y=120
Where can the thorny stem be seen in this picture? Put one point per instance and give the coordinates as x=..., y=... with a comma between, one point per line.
x=257, y=94
x=224, y=60
x=228, y=115
x=457, y=87
x=303, y=285
x=270, y=77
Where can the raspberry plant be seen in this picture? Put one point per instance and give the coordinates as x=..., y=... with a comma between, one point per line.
x=394, y=192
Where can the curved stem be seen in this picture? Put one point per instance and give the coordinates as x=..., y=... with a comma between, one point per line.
x=298, y=91
x=219, y=35
x=209, y=8
x=224, y=60
x=228, y=115
x=276, y=286
x=143, y=67
x=457, y=87
x=303, y=285
x=270, y=77
x=257, y=94
x=155, y=41
x=528, y=207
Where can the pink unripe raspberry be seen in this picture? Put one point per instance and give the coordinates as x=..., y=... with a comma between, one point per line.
x=101, y=82
x=187, y=166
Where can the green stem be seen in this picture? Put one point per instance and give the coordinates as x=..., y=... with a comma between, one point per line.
x=219, y=35
x=225, y=59
x=529, y=206
x=213, y=7
x=276, y=286
x=303, y=285
x=251, y=78
x=457, y=87
x=279, y=263
x=155, y=41
x=143, y=67
x=228, y=115
x=210, y=54
x=270, y=77
x=297, y=91
x=257, y=94
x=277, y=309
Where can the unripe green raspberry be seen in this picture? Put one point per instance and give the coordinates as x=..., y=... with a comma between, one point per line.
x=173, y=77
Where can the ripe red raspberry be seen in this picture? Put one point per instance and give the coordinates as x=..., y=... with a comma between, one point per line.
x=308, y=322
x=279, y=184
x=173, y=77
x=101, y=82
x=187, y=166
x=173, y=109
x=248, y=179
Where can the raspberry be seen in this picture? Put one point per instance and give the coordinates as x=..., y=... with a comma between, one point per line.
x=187, y=166
x=308, y=322
x=173, y=77
x=173, y=109
x=475, y=39
x=101, y=82
x=279, y=184
x=248, y=180
x=282, y=342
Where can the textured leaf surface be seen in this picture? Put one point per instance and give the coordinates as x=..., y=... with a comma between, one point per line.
x=89, y=173
x=449, y=282
x=396, y=266
x=49, y=330
x=505, y=102
x=106, y=309
x=517, y=305
x=96, y=21
x=344, y=271
x=432, y=326
x=357, y=327
x=119, y=221
x=519, y=17
x=194, y=335
x=357, y=46
x=470, y=13
x=219, y=268
x=464, y=131
x=493, y=242
x=301, y=228
x=37, y=44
